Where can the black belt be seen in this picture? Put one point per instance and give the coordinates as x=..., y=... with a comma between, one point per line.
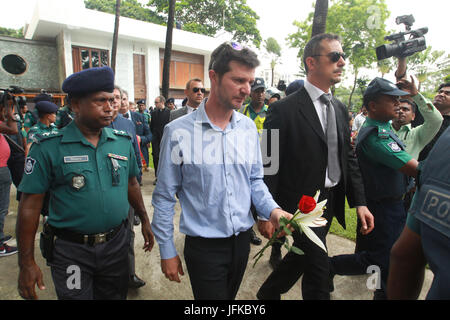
x=90, y=239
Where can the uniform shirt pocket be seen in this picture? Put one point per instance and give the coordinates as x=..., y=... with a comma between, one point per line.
x=79, y=176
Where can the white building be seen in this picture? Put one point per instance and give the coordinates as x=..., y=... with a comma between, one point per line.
x=84, y=39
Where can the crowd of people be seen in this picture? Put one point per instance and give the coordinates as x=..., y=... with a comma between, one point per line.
x=207, y=156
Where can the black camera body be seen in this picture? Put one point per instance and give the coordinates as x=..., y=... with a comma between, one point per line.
x=402, y=47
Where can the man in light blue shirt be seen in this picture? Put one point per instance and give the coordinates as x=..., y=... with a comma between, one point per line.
x=211, y=160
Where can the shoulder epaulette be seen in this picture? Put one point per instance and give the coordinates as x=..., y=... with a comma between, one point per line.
x=383, y=133
x=39, y=137
x=121, y=133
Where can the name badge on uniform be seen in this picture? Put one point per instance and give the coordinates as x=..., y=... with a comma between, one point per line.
x=75, y=159
x=78, y=182
x=394, y=147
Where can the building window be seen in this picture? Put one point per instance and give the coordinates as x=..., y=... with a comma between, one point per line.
x=85, y=58
x=14, y=64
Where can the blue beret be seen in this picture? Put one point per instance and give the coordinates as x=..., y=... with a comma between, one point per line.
x=42, y=97
x=294, y=86
x=382, y=86
x=89, y=81
x=142, y=101
x=46, y=107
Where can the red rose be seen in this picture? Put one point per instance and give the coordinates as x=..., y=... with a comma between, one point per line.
x=306, y=204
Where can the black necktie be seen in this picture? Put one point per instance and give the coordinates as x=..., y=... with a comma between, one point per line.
x=126, y=115
x=334, y=171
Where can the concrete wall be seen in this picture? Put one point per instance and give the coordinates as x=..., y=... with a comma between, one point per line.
x=42, y=64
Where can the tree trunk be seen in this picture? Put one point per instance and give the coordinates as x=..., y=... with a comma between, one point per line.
x=353, y=90
x=115, y=37
x=320, y=17
x=168, y=50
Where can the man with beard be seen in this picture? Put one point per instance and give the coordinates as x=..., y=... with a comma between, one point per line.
x=212, y=160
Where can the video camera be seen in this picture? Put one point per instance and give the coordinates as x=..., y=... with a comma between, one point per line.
x=8, y=94
x=402, y=47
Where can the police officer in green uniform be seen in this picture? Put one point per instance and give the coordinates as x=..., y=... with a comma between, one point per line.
x=45, y=126
x=31, y=117
x=384, y=166
x=90, y=172
x=426, y=237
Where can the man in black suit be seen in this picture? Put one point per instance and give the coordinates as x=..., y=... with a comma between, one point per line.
x=195, y=93
x=160, y=117
x=314, y=154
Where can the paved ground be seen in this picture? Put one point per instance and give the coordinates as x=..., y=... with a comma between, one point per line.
x=159, y=288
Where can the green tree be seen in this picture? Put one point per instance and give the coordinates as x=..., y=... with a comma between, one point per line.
x=208, y=17
x=274, y=49
x=361, y=25
x=425, y=65
x=385, y=66
x=15, y=33
x=128, y=8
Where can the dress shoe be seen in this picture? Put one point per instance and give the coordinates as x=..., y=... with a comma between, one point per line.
x=137, y=221
x=275, y=257
x=254, y=239
x=135, y=282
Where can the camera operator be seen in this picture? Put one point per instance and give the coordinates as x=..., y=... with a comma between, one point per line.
x=7, y=126
x=17, y=143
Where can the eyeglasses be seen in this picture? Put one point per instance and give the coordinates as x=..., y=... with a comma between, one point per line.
x=198, y=89
x=334, y=56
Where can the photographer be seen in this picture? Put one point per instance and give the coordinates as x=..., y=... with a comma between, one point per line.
x=7, y=126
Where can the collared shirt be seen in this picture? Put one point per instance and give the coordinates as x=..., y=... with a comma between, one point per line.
x=87, y=194
x=321, y=109
x=190, y=109
x=417, y=138
x=216, y=174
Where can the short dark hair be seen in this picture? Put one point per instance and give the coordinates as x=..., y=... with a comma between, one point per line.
x=411, y=103
x=188, y=84
x=313, y=47
x=443, y=85
x=231, y=51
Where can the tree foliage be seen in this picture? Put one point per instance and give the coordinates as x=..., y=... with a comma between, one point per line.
x=274, y=49
x=15, y=33
x=361, y=25
x=208, y=17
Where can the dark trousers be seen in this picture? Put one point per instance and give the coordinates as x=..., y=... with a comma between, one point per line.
x=313, y=265
x=390, y=218
x=155, y=153
x=216, y=266
x=84, y=272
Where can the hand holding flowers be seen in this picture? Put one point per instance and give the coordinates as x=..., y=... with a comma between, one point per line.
x=308, y=215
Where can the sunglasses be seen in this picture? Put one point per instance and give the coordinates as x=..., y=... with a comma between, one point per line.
x=334, y=56
x=198, y=89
